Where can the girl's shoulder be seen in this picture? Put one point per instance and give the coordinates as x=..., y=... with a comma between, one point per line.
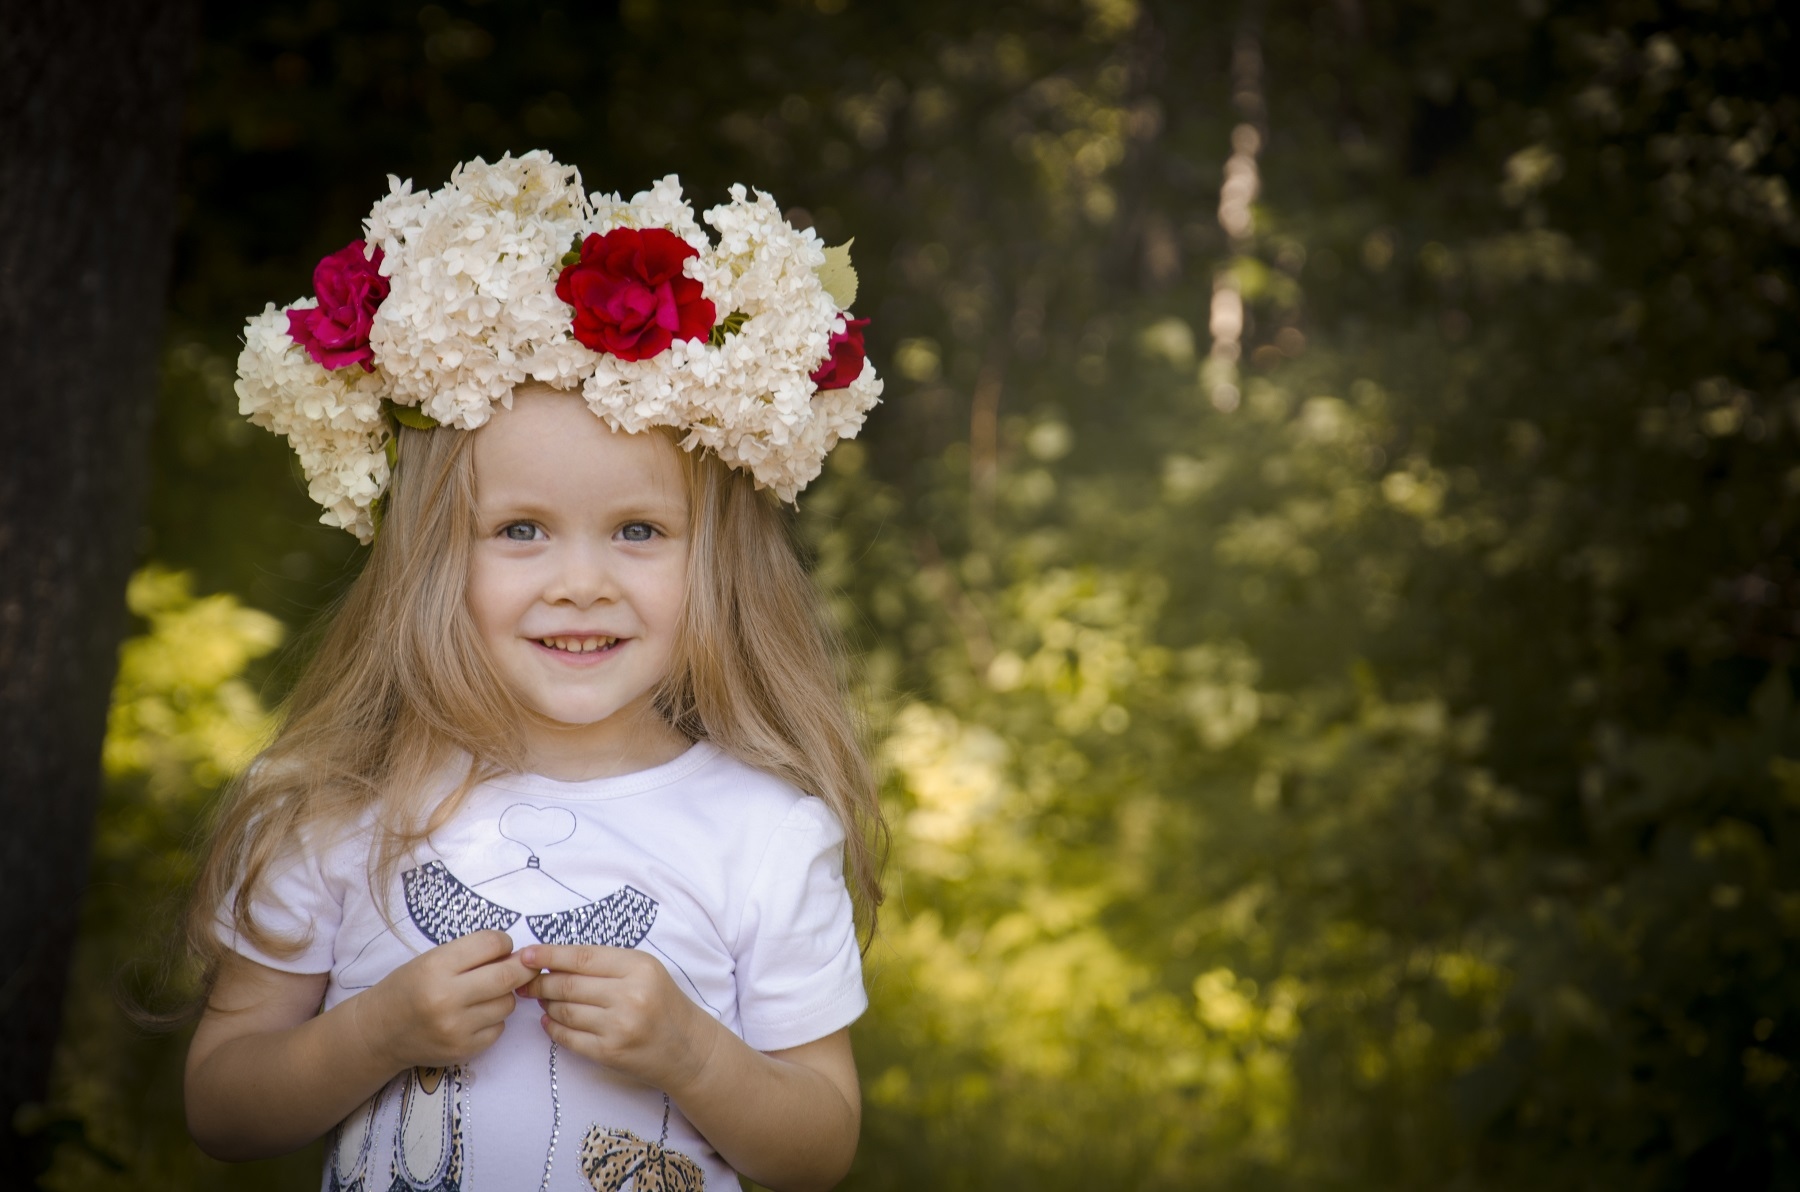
x=328, y=844
x=753, y=802
x=721, y=771
x=769, y=818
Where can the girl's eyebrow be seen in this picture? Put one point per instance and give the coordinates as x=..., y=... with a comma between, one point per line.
x=503, y=506
x=652, y=508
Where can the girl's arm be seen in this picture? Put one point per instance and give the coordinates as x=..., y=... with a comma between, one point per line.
x=790, y=1118
x=267, y=1073
x=786, y=1119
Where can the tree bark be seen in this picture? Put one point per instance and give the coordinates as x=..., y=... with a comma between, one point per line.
x=90, y=116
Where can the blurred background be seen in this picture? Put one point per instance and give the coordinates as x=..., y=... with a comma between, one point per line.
x=1323, y=573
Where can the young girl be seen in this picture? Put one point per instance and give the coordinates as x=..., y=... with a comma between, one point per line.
x=543, y=882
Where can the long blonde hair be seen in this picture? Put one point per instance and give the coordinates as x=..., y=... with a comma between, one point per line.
x=400, y=687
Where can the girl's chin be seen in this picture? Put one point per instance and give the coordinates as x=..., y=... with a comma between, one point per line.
x=577, y=720
x=599, y=718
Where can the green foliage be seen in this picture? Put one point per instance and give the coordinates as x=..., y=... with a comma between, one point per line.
x=407, y=416
x=185, y=720
x=731, y=324
x=1388, y=777
x=838, y=276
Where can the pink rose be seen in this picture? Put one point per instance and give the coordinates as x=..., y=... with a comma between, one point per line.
x=844, y=359
x=630, y=296
x=349, y=286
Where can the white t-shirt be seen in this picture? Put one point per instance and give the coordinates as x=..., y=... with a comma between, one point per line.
x=730, y=877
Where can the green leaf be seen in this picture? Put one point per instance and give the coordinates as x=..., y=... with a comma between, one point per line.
x=409, y=416
x=838, y=276
x=731, y=324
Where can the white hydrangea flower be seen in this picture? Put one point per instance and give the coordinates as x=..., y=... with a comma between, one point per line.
x=473, y=312
x=750, y=400
x=331, y=418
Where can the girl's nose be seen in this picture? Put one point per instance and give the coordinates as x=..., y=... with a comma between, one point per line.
x=583, y=576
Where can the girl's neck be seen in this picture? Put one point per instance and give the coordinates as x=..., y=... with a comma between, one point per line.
x=630, y=740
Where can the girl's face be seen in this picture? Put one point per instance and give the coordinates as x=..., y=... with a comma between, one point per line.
x=577, y=579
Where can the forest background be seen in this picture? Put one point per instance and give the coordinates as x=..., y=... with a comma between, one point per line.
x=1323, y=571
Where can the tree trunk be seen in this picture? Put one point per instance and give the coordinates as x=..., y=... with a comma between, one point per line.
x=90, y=115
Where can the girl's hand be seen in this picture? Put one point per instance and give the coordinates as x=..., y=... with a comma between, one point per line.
x=445, y=1006
x=786, y=1119
x=619, y=1008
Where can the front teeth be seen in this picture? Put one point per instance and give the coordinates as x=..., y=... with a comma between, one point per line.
x=578, y=645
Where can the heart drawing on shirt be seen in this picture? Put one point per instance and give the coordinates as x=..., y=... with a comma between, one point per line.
x=537, y=828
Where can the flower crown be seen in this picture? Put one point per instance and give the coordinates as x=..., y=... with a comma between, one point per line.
x=511, y=273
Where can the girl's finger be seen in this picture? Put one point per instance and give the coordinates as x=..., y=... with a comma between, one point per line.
x=595, y=960
x=578, y=1042
x=569, y=987
x=495, y=1009
x=575, y=1041
x=476, y=949
x=500, y=976
x=585, y=1019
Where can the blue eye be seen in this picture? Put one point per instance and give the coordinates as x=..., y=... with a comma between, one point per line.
x=519, y=532
x=638, y=532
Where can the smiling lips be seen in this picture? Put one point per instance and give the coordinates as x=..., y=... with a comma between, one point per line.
x=577, y=645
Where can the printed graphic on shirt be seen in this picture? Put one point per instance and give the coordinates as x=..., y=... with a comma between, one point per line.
x=418, y=1147
x=429, y=1157
x=612, y=1157
x=625, y=915
x=417, y=1119
x=444, y=909
x=445, y=905
x=348, y=1167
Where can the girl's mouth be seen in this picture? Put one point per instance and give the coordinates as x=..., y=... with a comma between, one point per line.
x=577, y=645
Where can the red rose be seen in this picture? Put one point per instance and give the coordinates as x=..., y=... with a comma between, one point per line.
x=349, y=286
x=630, y=297
x=844, y=361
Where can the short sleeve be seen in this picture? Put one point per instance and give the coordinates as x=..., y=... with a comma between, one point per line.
x=298, y=902
x=799, y=969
